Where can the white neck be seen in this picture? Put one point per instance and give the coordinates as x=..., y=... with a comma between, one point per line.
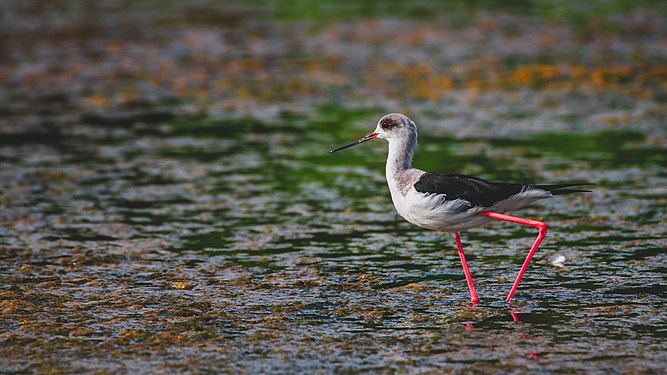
x=400, y=155
x=399, y=161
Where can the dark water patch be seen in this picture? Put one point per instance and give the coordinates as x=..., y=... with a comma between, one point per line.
x=656, y=289
x=128, y=119
x=659, y=332
x=396, y=281
x=643, y=253
x=640, y=253
x=502, y=320
x=206, y=155
x=17, y=139
x=206, y=241
x=410, y=266
x=606, y=239
x=232, y=128
x=603, y=149
x=578, y=284
x=326, y=237
x=33, y=280
x=137, y=205
x=82, y=234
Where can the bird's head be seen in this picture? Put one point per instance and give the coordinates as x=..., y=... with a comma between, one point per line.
x=394, y=126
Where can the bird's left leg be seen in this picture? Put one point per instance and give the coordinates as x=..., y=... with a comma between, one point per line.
x=466, y=271
x=542, y=227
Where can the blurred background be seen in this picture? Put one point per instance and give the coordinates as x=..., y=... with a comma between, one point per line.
x=168, y=202
x=260, y=58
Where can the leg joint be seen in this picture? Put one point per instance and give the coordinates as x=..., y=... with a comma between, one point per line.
x=542, y=228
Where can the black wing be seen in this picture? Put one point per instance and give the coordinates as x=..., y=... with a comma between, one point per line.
x=480, y=192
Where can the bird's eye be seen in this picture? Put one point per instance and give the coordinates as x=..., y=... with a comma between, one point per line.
x=386, y=125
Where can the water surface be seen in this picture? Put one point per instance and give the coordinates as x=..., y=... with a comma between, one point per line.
x=158, y=224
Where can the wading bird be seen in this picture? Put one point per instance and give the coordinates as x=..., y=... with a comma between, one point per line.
x=454, y=202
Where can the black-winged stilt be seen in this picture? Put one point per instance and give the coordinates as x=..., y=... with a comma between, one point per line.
x=453, y=202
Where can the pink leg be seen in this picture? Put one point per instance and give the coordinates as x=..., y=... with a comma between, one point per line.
x=542, y=227
x=466, y=271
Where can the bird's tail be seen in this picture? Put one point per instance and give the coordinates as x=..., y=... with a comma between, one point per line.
x=558, y=189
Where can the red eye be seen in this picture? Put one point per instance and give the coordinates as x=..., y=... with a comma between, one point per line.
x=385, y=124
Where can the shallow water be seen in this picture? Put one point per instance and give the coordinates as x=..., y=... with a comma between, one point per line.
x=254, y=248
x=148, y=237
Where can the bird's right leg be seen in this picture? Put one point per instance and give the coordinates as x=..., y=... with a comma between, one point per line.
x=466, y=271
x=542, y=231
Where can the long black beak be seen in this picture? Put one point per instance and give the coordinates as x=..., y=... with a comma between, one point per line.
x=361, y=140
